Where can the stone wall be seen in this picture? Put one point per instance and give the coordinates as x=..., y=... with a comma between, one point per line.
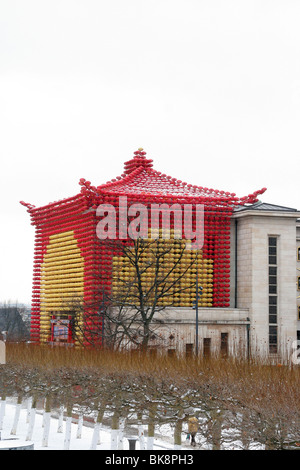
x=175, y=329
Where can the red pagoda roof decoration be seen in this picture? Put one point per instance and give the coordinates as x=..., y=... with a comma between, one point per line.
x=138, y=161
x=139, y=178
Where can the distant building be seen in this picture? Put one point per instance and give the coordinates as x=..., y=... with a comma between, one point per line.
x=247, y=267
x=15, y=327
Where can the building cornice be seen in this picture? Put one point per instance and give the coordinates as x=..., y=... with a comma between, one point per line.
x=266, y=213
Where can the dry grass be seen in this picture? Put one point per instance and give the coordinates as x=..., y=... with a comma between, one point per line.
x=225, y=370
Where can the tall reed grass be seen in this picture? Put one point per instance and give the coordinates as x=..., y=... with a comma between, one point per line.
x=226, y=369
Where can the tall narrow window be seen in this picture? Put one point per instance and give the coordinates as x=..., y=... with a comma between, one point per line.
x=273, y=339
x=273, y=299
x=206, y=347
x=189, y=349
x=224, y=344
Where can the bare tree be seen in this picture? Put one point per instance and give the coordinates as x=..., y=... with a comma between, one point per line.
x=147, y=276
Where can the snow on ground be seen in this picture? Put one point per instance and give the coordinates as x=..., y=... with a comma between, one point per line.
x=56, y=439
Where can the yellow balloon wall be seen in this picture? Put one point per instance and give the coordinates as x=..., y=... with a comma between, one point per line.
x=62, y=279
x=175, y=276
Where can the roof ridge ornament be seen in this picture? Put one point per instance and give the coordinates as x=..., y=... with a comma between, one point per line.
x=138, y=160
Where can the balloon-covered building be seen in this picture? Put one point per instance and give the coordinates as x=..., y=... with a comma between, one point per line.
x=72, y=264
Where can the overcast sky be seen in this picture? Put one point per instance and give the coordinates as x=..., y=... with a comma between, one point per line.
x=209, y=88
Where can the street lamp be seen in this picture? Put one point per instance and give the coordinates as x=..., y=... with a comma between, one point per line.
x=199, y=291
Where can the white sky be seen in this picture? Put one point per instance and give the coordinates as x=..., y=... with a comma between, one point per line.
x=209, y=88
